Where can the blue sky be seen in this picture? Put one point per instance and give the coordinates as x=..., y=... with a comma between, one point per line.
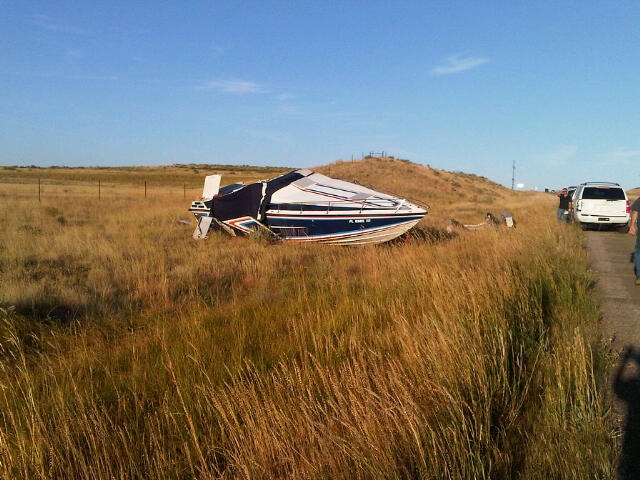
x=468, y=86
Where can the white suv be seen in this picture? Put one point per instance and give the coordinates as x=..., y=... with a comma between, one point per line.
x=601, y=204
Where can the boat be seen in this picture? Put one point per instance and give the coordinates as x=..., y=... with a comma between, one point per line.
x=304, y=206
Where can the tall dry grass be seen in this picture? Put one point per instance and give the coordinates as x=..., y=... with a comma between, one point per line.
x=128, y=350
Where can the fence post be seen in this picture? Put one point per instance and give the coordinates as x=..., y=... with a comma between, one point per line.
x=38, y=189
x=98, y=189
x=145, y=189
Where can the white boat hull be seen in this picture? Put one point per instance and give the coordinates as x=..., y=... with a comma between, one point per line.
x=303, y=206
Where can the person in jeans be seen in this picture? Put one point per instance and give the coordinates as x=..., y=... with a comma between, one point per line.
x=633, y=230
x=563, y=206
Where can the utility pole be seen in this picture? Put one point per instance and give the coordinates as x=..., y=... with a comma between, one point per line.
x=513, y=175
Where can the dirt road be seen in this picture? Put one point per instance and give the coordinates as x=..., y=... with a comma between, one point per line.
x=619, y=296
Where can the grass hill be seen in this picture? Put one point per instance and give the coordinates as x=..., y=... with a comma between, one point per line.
x=465, y=197
x=415, y=180
x=633, y=193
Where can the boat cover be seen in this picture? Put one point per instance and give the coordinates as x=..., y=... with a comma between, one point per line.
x=315, y=187
x=251, y=200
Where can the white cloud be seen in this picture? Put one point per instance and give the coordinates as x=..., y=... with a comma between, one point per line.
x=75, y=53
x=458, y=63
x=287, y=109
x=237, y=87
x=559, y=156
x=285, y=96
x=622, y=155
x=47, y=23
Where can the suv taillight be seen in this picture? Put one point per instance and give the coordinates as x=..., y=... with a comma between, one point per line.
x=628, y=207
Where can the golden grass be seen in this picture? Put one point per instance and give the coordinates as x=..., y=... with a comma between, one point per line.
x=129, y=350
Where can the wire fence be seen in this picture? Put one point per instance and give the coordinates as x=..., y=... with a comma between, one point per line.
x=42, y=189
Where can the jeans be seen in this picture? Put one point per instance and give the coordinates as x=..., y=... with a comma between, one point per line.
x=636, y=265
x=563, y=215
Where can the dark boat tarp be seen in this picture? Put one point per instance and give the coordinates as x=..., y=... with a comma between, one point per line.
x=241, y=203
x=249, y=201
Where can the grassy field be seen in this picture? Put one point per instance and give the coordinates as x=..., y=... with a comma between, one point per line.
x=129, y=350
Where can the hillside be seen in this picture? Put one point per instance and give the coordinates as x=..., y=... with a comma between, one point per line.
x=465, y=197
x=414, y=180
x=633, y=193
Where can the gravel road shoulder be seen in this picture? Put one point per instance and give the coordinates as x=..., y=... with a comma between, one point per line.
x=619, y=297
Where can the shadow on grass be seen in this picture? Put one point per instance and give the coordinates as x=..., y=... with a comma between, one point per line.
x=426, y=234
x=50, y=310
x=626, y=385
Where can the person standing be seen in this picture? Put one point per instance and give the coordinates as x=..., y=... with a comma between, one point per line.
x=633, y=230
x=563, y=206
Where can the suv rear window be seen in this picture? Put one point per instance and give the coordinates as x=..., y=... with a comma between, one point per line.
x=603, y=193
